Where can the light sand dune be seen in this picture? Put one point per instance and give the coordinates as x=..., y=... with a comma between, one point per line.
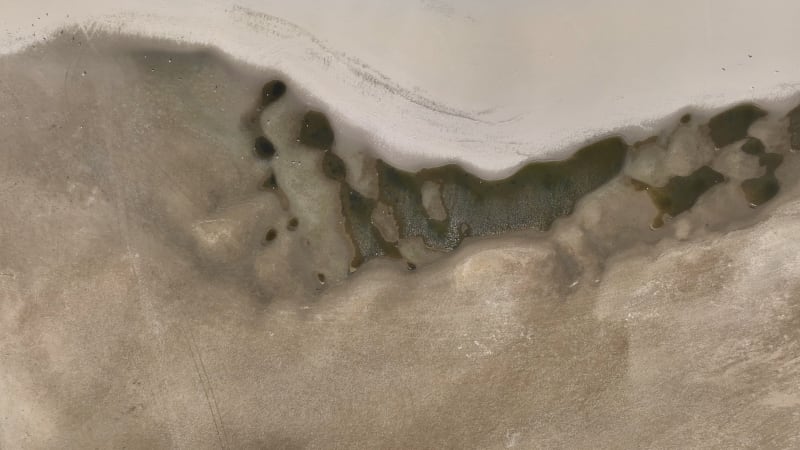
x=487, y=84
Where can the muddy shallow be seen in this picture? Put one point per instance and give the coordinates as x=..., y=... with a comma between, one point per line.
x=167, y=282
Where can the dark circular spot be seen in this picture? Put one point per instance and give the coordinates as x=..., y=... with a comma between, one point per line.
x=271, y=235
x=292, y=225
x=686, y=118
x=411, y=266
x=321, y=277
x=264, y=148
x=272, y=91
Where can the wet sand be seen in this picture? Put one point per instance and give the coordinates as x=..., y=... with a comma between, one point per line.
x=169, y=282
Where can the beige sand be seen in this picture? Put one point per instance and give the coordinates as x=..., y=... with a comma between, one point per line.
x=489, y=84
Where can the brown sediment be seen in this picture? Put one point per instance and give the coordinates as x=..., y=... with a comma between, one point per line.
x=680, y=193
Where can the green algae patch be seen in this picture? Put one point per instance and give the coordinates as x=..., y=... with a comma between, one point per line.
x=534, y=197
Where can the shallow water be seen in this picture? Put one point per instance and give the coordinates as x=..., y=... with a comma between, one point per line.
x=169, y=281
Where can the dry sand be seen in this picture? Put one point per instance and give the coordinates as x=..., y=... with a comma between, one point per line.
x=140, y=308
x=487, y=84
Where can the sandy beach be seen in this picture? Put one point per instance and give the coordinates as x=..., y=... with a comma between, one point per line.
x=167, y=281
x=489, y=86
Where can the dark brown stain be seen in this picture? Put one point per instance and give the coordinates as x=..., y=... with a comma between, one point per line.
x=731, y=125
x=770, y=161
x=316, y=131
x=333, y=167
x=753, y=146
x=263, y=147
x=271, y=92
x=760, y=190
x=680, y=193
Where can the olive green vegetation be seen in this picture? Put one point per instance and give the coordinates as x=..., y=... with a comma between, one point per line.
x=531, y=198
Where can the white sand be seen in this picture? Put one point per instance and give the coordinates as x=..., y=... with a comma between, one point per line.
x=471, y=81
